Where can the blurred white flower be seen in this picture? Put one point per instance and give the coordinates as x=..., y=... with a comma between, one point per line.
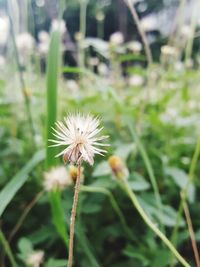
x=100, y=16
x=35, y=258
x=72, y=85
x=25, y=43
x=135, y=46
x=178, y=66
x=43, y=37
x=44, y=41
x=2, y=61
x=136, y=80
x=116, y=38
x=93, y=61
x=79, y=134
x=168, y=50
x=58, y=25
x=4, y=30
x=149, y=23
x=185, y=31
x=103, y=69
x=56, y=178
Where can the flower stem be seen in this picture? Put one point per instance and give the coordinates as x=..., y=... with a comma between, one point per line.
x=7, y=249
x=184, y=193
x=191, y=232
x=136, y=19
x=153, y=227
x=73, y=216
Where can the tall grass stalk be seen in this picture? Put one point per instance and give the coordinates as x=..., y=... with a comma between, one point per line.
x=136, y=19
x=149, y=170
x=21, y=78
x=191, y=232
x=7, y=249
x=53, y=61
x=184, y=193
x=152, y=225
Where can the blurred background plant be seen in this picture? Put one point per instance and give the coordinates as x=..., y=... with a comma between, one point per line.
x=58, y=57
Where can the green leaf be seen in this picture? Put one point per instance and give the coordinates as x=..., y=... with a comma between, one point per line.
x=11, y=188
x=58, y=215
x=179, y=176
x=137, y=182
x=102, y=169
x=56, y=263
x=25, y=246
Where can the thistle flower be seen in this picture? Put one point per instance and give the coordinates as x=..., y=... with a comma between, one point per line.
x=57, y=178
x=35, y=258
x=79, y=134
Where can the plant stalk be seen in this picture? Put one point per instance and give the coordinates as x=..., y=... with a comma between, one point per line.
x=7, y=249
x=73, y=216
x=152, y=225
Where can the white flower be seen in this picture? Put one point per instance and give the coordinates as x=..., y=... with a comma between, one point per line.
x=56, y=178
x=168, y=50
x=135, y=46
x=149, y=23
x=4, y=29
x=136, y=80
x=35, y=258
x=78, y=133
x=25, y=43
x=116, y=38
x=58, y=25
x=72, y=85
x=43, y=37
x=2, y=61
x=103, y=69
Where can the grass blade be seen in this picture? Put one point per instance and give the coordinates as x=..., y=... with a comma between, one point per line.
x=52, y=80
x=11, y=188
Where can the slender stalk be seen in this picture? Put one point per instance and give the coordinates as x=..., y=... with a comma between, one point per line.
x=113, y=202
x=24, y=215
x=7, y=249
x=150, y=172
x=22, y=80
x=73, y=216
x=131, y=7
x=191, y=232
x=152, y=225
x=185, y=191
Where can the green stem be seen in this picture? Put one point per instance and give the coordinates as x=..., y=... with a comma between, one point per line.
x=152, y=225
x=185, y=191
x=7, y=249
x=113, y=202
x=149, y=170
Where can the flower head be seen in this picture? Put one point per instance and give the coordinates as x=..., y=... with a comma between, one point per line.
x=79, y=134
x=35, y=258
x=118, y=167
x=57, y=178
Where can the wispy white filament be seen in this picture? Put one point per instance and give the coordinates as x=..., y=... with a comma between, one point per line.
x=79, y=133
